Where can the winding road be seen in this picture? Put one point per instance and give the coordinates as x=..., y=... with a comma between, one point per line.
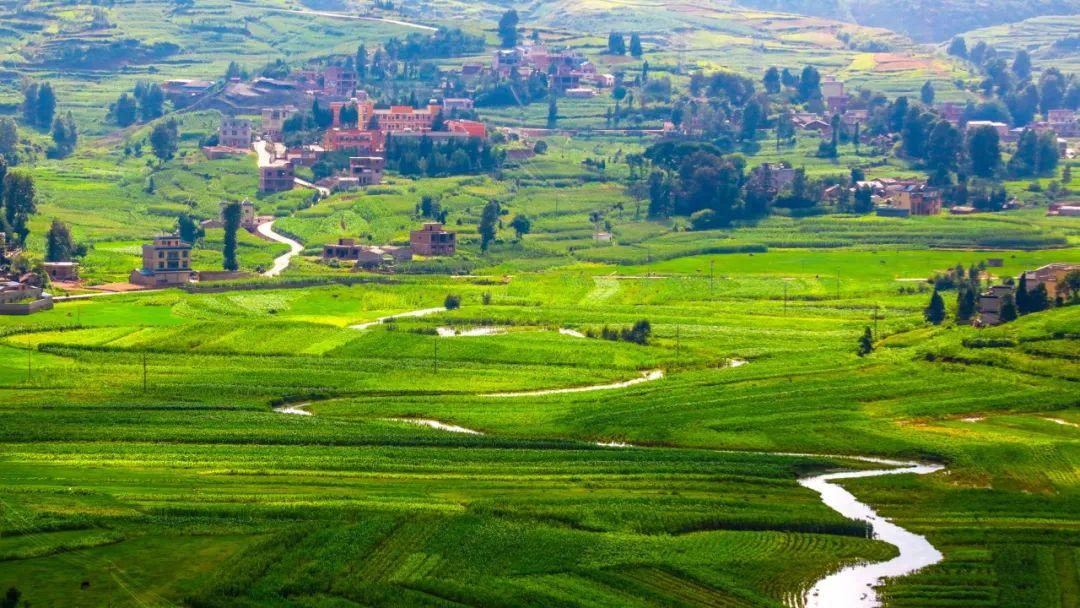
x=266, y=229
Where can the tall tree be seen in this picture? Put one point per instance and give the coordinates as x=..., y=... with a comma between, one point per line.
x=188, y=229
x=9, y=138
x=231, y=216
x=965, y=304
x=165, y=139
x=935, y=311
x=771, y=80
x=635, y=45
x=1052, y=85
x=984, y=150
x=361, y=62
x=866, y=343
x=30, y=102
x=46, y=106
x=19, y=202
x=553, y=112
x=1022, y=65
x=809, y=84
x=508, y=29
x=489, y=220
x=616, y=44
x=151, y=101
x=958, y=48
x=59, y=246
x=927, y=93
x=943, y=147
x=126, y=110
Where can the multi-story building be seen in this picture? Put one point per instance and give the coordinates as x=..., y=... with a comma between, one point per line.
x=166, y=261
x=1051, y=276
x=340, y=81
x=234, y=132
x=367, y=170
x=991, y=303
x=273, y=121
x=452, y=105
x=432, y=240
x=276, y=176
x=355, y=141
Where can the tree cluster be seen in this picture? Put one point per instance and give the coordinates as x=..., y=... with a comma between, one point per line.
x=424, y=156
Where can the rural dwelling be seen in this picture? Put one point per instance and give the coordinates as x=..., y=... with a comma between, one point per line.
x=451, y=105
x=471, y=128
x=1049, y=276
x=234, y=132
x=366, y=256
x=908, y=198
x=990, y=304
x=339, y=81
x=433, y=240
x=22, y=298
x=166, y=261
x=1000, y=127
x=248, y=221
x=273, y=121
x=276, y=176
x=367, y=170
x=62, y=271
x=355, y=141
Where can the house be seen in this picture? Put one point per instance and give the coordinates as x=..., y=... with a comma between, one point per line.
x=306, y=155
x=278, y=175
x=580, y=93
x=365, y=256
x=339, y=81
x=400, y=118
x=782, y=174
x=62, y=271
x=1049, y=276
x=368, y=170
x=273, y=121
x=166, y=261
x=904, y=198
x=951, y=112
x=471, y=70
x=851, y=118
x=355, y=141
x=1000, y=127
x=990, y=304
x=471, y=128
x=1064, y=210
x=451, y=105
x=234, y=132
x=22, y=298
x=831, y=87
x=433, y=240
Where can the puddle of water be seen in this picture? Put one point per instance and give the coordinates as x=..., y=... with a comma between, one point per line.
x=853, y=586
x=414, y=313
x=645, y=377
x=435, y=424
x=450, y=332
x=295, y=409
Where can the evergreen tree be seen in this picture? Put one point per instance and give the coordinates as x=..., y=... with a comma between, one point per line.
x=30, y=102
x=59, y=246
x=866, y=343
x=809, y=84
x=771, y=80
x=958, y=48
x=965, y=304
x=508, y=25
x=361, y=62
x=19, y=202
x=943, y=148
x=635, y=45
x=126, y=110
x=1022, y=65
x=1038, y=299
x=1021, y=300
x=935, y=312
x=616, y=44
x=927, y=93
x=1008, y=310
x=231, y=216
x=553, y=112
x=9, y=139
x=188, y=229
x=151, y=102
x=489, y=220
x=984, y=150
x=46, y=106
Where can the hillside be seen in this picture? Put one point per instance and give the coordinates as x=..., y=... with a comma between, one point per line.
x=924, y=20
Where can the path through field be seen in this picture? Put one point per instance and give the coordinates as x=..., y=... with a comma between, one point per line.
x=656, y=374
x=266, y=229
x=414, y=313
x=333, y=15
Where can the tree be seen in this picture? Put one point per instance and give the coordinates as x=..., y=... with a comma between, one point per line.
x=188, y=229
x=864, y=200
x=1052, y=86
x=59, y=246
x=9, y=138
x=19, y=202
x=349, y=115
x=984, y=150
x=508, y=32
x=1008, y=309
x=1038, y=299
x=1023, y=104
x=958, y=48
x=771, y=80
x=935, y=312
x=521, y=225
x=360, y=65
x=46, y=106
x=965, y=304
x=553, y=112
x=913, y=133
x=809, y=84
x=30, y=102
x=489, y=220
x=616, y=44
x=151, y=101
x=165, y=139
x=231, y=216
x=65, y=135
x=126, y=110
x=866, y=343
x=943, y=148
x=1046, y=160
x=1025, y=159
x=11, y=598
x=635, y=45
x=452, y=301
x=1022, y=65
x=927, y=93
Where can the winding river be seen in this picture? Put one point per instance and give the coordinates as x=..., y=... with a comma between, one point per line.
x=850, y=587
